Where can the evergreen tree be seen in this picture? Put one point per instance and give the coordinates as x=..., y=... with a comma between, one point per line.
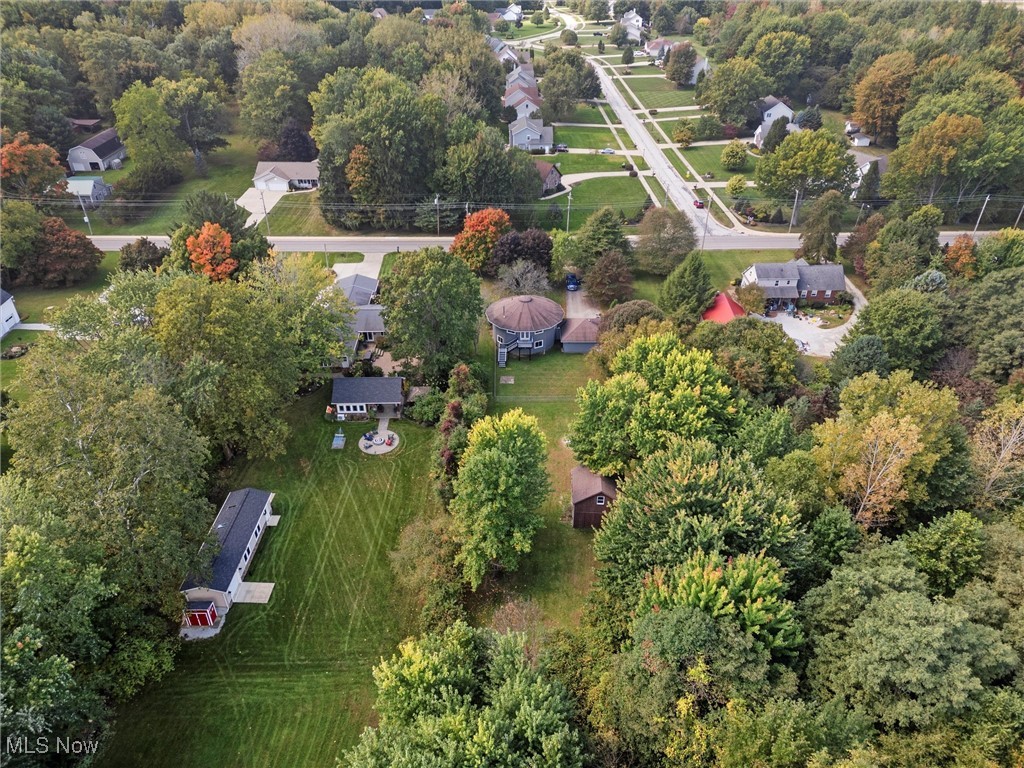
x=627, y=55
x=818, y=240
x=294, y=144
x=687, y=291
x=775, y=135
x=870, y=186
x=810, y=119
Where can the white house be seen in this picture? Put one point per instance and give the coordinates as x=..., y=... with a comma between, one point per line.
x=521, y=75
x=865, y=166
x=8, y=313
x=860, y=139
x=512, y=14
x=90, y=190
x=363, y=397
x=531, y=135
x=851, y=127
x=284, y=177
x=379, y=14
x=771, y=110
x=98, y=152
x=239, y=528
x=656, y=48
x=633, y=23
x=700, y=65
x=501, y=51
x=525, y=104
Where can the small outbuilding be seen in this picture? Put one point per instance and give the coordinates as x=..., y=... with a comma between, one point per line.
x=365, y=397
x=723, y=309
x=591, y=495
x=99, y=152
x=8, y=313
x=239, y=527
x=860, y=140
x=90, y=190
x=550, y=176
x=579, y=334
x=524, y=324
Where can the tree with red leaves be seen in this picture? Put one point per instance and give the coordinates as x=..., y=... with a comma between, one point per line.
x=61, y=257
x=480, y=233
x=960, y=258
x=29, y=169
x=210, y=252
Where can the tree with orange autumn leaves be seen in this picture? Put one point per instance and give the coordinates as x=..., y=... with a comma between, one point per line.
x=960, y=258
x=29, y=169
x=480, y=233
x=210, y=252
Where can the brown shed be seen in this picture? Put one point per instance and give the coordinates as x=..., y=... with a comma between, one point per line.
x=591, y=495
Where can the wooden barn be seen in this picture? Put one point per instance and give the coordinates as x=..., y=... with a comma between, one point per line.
x=591, y=495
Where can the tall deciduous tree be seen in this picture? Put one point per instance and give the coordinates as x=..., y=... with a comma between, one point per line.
x=681, y=60
x=20, y=228
x=881, y=94
x=481, y=231
x=909, y=325
x=502, y=482
x=666, y=237
x=609, y=279
x=821, y=227
x=200, y=118
x=209, y=250
x=782, y=56
x=61, y=258
x=146, y=128
x=271, y=92
x=433, y=307
x=734, y=155
x=27, y=169
x=807, y=163
x=732, y=88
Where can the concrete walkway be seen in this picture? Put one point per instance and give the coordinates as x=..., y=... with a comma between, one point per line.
x=258, y=202
x=576, y=178
x=32, y=327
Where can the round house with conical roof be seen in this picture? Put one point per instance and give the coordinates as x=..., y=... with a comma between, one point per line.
x=524, y=325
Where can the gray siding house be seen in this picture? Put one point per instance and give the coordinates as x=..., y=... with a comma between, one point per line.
x=365, y=397
x=531, y=135
x=579, y=334
x=792, y=280
x=526, y=325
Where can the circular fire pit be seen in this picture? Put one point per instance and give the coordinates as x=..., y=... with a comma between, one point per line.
x=378, y=444
x=378, y=440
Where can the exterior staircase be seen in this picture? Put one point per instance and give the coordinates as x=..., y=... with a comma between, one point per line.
x=503, y=350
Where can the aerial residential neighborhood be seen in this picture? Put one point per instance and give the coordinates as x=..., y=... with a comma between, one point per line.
x=567, y=383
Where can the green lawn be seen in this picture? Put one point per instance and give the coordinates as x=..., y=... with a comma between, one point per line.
x=659, y=191
x=586, y=113
x=558, y=572
x=33, y=303
x=624, y=193
x=530, y=30
x=299, y=214
x=389, y=261
x=709, y=159
x=726, y=266
x=289, y=683
x=10, y=370
x=658, y=93
x=585, y=138
x=230, y=172
x=572, y=163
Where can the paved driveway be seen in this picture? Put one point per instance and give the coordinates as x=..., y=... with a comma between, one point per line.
x=578, y=304
x=252, y=202
x=820, y=342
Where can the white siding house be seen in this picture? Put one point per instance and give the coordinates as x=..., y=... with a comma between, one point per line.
x=239, y=528
x=633, y=23
x=8, y=313
x=285, y=177
x=97, y=153
x=771, y=110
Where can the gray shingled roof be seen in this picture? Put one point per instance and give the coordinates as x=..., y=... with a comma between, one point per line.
x=368, y=389
x=524, y=313
x=369, y=319
x=777, y=270
x=104, y=143
x=358, y=288
x=586, y=484
x=234, y=526
x=822, y=277
x=781, y=292
x=5, y=296
x=580, y=330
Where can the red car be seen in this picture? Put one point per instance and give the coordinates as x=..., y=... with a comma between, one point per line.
x=698, y=203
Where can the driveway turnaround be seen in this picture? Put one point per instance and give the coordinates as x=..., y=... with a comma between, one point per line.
x=258, y=202
x=820, y=342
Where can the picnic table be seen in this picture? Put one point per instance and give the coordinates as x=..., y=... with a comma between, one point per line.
x=339, y=441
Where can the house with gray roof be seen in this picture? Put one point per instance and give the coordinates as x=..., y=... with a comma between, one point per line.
x=591, y=495
x=8, y=313
x=358, y=288
x=365, y=397
x=772, y=109
x=797, y=280
x=368, y=323
x=526, y=325
x=90, y=190
x=633, y=23
x=99, y=152
x=531, y=135
x=286, y=177
x=238, y=528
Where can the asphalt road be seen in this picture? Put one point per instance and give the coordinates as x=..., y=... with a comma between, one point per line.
x=368, y=245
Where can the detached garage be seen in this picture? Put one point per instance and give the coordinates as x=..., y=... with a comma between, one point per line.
x=287, y=177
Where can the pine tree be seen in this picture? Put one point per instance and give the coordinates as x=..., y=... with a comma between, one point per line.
x=627, y=55
x=818, y=240
x=687, y=291
x=775, y=136
x=869, y=189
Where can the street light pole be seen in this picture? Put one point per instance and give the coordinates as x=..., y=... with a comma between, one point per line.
x=568, y=208
x=978, y=222
x=85, y=215
x=1018, y=217
x=437, y=207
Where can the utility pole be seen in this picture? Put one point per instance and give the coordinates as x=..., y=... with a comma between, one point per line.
x=437, y=207
x=325, y=257
x=1018, y=217
x=707, y=215
x=567, y=209
x=796, y=201
x=266, y=219
x=85, y=215
x=978, y=222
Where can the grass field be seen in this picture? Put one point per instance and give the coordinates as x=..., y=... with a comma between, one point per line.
x=230, y=172
x=10, y=370
x=723, y=268
x=624, y=193
x=586, y=113
x=709, y=159
x=33, y=303
x=558, y=572
x=530, y=30
x=299, y=214
x=289, y=683
x=585, y=138
x=573, y=163
x=658, y=93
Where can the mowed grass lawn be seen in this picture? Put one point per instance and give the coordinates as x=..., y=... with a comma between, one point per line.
x=723, y=268
x=586, y=138
x=299, y=214
x=573, y=163
x=230, y=172
x=586, y=113
x=623, y=193
x=289, y=683
x=658, y=93
x=35, y=303
x=709, y=159
x=530, y=30
x=558, y=572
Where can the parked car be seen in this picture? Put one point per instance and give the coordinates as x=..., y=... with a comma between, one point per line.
x=698, y=203
x=572, y=283
x=561, y=147
x=607, y=151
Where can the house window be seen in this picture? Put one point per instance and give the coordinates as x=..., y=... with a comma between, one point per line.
x=258, y=529
x=803, y=294
x=776, y=282
x=538, y=344
x=525, y=335
x=828, y=294
x=362, y=407
x=245, y=557
x=600, y=501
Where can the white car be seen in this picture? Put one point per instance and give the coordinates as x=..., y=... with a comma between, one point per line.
x=607, y=151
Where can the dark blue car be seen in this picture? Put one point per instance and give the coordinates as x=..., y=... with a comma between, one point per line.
x=572, y=283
